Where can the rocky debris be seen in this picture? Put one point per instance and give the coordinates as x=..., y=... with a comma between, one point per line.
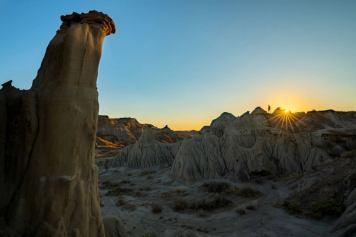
x=49, y=180
x=259, y=143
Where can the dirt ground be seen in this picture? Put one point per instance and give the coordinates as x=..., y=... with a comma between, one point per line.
x=151, y=204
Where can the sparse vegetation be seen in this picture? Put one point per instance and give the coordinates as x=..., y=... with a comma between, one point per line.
x=145, y=188
x=118, y=190
x=155, y=208
x=147, y=172
x=315, y=209
x=129, y=206
x=172, y=193
x=321, y=199
x=217, y=187
x=248, y=192
x=140, y=194
x=202, y=214
x=251, y=207
x=241, y=211
x=121, y=201
x=180, y=205
x=228, y=188
x=149, y=234
x=208, y=204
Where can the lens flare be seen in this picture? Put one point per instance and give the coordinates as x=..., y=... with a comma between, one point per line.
x=284, y=119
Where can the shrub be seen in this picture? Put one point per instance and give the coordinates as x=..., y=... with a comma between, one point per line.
x=155, y=208
x=211, y=204
x=172, y=193
x=117, y=190
x=207, y=204
x=149, y=234
x=248, y=193
x=241, y=211
x=180, y=205
x=251, y=207
x=228, y=188
x=147, y=172
x=121, y=201
x=315, y=208
x=217, y=187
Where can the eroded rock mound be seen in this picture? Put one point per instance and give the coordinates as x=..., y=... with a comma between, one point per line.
x=121, y=131
x=48, y=179
x=113, y=134
x=260, y=143
x=146, y=152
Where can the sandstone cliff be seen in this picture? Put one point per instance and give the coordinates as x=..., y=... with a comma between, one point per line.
x=48, y=179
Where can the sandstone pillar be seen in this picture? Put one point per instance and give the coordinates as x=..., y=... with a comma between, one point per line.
x=49, y=182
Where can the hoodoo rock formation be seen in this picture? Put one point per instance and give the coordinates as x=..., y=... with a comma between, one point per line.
x=48, y=179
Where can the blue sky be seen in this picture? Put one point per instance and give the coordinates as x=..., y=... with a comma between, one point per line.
x=182, y=63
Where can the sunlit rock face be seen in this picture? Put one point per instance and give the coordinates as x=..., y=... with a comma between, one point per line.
x=121, y=131
x=260, y=143
x=48, y=179
x=126, y=131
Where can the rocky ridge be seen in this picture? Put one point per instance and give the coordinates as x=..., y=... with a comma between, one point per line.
x=260, y=143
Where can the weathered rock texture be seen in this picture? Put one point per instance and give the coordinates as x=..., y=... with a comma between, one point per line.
x=148, y=151
x=48, y=179
x=120, y=131
x=114, y=134
x=259, y=143
x=126, y=142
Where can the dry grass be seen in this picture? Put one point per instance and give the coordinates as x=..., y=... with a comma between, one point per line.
x=147, y=172
x=222, y=187
x=248, y=192
x=217, y=187
x=118, y=190
x=149, y=234
x=207, y=204
x=173, y=193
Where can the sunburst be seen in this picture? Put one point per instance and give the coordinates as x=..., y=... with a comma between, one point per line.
x=285, y=120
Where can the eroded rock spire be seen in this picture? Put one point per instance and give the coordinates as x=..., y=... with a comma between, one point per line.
x=47, y=135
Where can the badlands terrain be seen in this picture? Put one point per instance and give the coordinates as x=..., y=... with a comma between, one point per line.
x=258, y=174
x=65, y=171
